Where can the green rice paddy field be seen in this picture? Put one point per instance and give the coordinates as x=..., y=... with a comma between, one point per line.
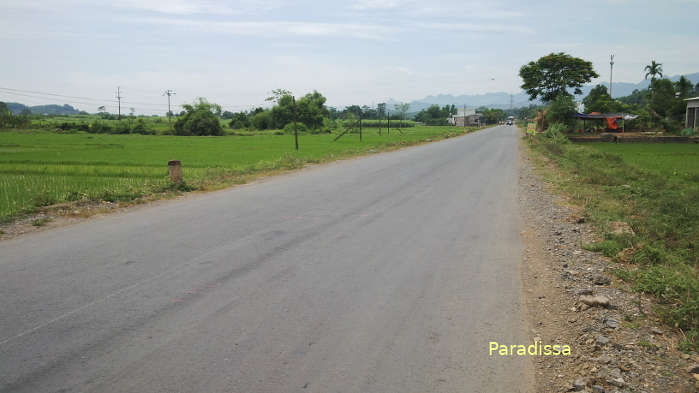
x=39, y=168
x=671, y=159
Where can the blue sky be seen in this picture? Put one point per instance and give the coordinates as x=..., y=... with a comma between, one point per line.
x=353, y=51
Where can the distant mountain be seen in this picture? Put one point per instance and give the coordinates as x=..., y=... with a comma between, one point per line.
x=502, y=100
x=17, y=108
x=621, y=89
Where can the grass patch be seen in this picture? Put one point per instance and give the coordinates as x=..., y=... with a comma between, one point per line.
x=655, y=189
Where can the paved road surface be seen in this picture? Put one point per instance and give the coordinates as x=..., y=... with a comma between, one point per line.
x=389, y=273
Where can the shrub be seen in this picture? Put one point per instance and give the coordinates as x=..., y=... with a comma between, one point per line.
x=199, y=119
x=555, y=133
x=99, y=127
x=142, y=128
x=262, y=120
x=289, y=128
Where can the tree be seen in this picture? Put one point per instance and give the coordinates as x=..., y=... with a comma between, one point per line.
x=262, y=120
x=199, y=118
x=562, y=110
x=434, y=115
x=663, y=97
x=311, y=110
x=491, y=116
x=402, y=109
x=684, y=87
x=653, y=70
x=239, y=120
x=381, y=110
x=553, y=74
x=598, y=100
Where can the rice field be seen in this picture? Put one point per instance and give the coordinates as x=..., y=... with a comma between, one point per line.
x=39, y=168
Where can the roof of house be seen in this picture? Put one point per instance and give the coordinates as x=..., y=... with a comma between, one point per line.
x=691, y=99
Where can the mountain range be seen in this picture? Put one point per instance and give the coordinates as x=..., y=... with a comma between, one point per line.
x=52, y=109
x=502, y=100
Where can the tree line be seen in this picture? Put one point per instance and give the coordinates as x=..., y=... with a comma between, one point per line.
x=557, y=77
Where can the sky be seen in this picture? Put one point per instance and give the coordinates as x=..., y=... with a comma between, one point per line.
x=235, y=53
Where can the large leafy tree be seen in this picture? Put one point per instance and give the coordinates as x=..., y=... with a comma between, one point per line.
x=199, y=118
x=599, y=101
x=663, y=98
x=312, y=110
x=654, y=70
x=684, y=87
x=554, y=74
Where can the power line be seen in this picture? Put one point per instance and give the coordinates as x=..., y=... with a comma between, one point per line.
x=95, y=100
x=116, y=101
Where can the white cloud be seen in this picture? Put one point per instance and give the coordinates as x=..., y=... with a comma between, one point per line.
x=377, y=4
x=476, y=27
x=272, y=28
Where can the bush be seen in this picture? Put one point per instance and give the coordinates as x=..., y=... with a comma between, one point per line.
x=99, y=127
x=142, y=128
x=262, y=120
x=289, y=128
x=556, y=133
x=199, y=120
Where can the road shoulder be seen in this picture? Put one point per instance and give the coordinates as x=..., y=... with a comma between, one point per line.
x=618, y=348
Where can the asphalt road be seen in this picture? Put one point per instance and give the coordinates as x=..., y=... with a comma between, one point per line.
x=389, y=273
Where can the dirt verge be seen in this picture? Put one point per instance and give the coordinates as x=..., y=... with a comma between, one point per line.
x=618, y=343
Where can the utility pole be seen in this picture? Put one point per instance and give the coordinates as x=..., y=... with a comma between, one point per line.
x=296, y=131
x=360, y=125
x=464, y=117
x=118, y=96
x=168, y=93
x=611, y=71
x=388, y=117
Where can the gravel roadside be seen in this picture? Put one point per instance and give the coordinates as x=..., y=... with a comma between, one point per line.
x=618, y=344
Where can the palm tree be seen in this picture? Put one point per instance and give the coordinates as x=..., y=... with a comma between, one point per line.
x=654, y=70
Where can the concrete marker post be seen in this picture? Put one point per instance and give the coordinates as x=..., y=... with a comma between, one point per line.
x=175, y=168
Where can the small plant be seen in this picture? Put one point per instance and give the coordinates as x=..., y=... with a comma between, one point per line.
x=40, y=222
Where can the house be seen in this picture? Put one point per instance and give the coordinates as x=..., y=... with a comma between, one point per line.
x=692, y=113
x=465, y=117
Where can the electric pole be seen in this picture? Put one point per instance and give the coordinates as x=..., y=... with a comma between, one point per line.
x=464, y=117
x=611, y=71
x=168, y=93
x=118, y=96
x=296, y=131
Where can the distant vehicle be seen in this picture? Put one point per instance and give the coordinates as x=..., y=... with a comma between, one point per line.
x=510, y=120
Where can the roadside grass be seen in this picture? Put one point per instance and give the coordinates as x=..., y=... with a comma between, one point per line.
x=655, y=189
x=43, y=168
